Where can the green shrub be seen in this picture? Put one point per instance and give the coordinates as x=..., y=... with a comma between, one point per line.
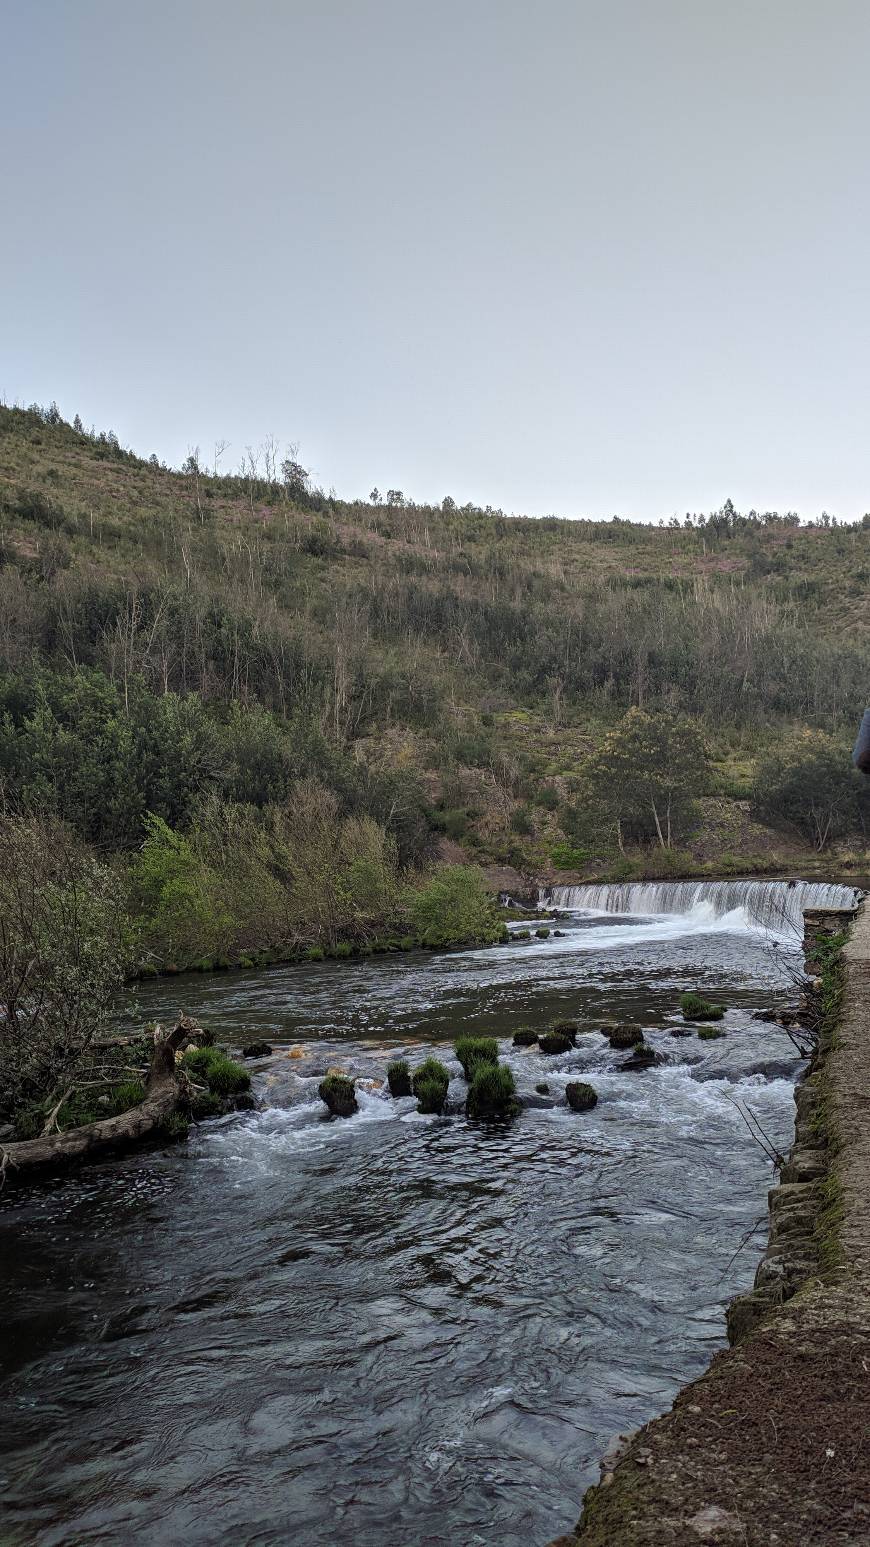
x=551, y=1042
x=429, y=1084
x=342, y=950
x=475, y=1050
x=399, y=1078
x=205, y=1103
x=580, y=1096
x=491, y=1091
x=696, y=1008
x=174, y=1127
x=454, y=907
x=314, y=953
x=525, y=1037
x=339, y=1094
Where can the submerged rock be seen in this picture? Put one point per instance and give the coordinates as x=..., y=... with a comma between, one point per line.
x=525, y=1037
x=399, y=1078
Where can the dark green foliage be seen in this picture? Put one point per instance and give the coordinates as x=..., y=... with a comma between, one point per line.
x=222, y=1075
x=314, y=953
x=808, y=784
x=491, y=1091
x=580, y=1096
x=521, y=934
x=624, y=1035
x=552, y=1042
x=342, y=950
x=542, y=934
x=696, y=1008
x=174, y=1128
x=131, y=1093
x=339, y=1094
x=475, y=1050
x=525, y=1037
x=399, y=1078
x=429, y=1084
x=205, y=1103
x=708, y=1033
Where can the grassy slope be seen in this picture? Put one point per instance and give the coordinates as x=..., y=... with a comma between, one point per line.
x=300, y=569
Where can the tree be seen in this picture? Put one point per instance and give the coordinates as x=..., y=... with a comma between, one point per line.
x=454, y=908
x=375, y=495
x=645, y=774
x=61, y=957
x=395, y=497
x=809, y=784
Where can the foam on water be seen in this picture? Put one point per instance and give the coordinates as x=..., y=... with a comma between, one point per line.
x=776, y=905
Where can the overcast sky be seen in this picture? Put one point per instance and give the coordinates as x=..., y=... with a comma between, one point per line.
x=590, y=258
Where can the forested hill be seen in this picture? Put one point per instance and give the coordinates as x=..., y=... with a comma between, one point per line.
x=169, y=638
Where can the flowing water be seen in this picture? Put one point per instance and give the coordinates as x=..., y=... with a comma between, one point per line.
x=403, y=1329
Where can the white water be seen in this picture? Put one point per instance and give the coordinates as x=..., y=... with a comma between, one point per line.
x=776, y=905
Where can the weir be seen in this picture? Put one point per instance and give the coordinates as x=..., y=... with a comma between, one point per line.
x=765, y=904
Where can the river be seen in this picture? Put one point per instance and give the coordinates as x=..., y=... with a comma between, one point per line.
x=403, y=1329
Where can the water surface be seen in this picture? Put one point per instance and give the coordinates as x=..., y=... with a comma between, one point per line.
x=398, y=1328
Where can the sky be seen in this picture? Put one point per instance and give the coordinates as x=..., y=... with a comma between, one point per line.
x=590, y=257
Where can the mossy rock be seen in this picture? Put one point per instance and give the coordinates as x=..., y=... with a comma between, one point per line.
x=399, y=1078
x=710, y=1033
x=521, y=934
x=174, y=1128
x=642, y=1057
x=566, y=1029
x=204, y=1104
x=472, y=1051
x=257, y=1050
x=429, y=1084
x=624, y=1034
x=339, y=1094
x=551, y=1042
x=542, y=934
x=491, y=1092
x=580, y=1096
x=525, y=1037
x=696, y=1008
x=543, y=1088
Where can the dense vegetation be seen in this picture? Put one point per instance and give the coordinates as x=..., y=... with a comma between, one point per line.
x=284, y=707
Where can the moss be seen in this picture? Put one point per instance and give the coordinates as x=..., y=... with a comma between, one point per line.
x=339, y=1094
x=491, y=1092
x=696, y=1008
x=542, y=934
x=429, y=1084
x=472, y=1051
x=543, y=1088
x=521, y=934
x=709, y=1033
x=203, y=1104
x=566, y=1028
x=580, y=1096
x=399, y=1078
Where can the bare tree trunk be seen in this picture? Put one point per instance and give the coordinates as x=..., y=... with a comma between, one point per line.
x=658, y=824
x=34, y=1157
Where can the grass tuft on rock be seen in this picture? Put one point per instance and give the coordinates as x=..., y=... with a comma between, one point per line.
x=221, y=1074
x=472, y=1051
x=696, y=1008
x=399, y=1078
x=491, y=1092
x=551, y=1042
x=339, y=1094
x=580, y=1096
x=625, y=1034
x=525, y=1037
x=429, y=1084
x=708, y=1033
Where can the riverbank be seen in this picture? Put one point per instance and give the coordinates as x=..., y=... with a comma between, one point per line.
x=768, y=1448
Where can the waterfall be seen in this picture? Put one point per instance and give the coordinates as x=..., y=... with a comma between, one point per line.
x=768, y=904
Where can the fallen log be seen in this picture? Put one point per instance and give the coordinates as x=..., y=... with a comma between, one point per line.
x=164, y=1088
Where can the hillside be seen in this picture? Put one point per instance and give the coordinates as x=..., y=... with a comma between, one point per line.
x=167, y=636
